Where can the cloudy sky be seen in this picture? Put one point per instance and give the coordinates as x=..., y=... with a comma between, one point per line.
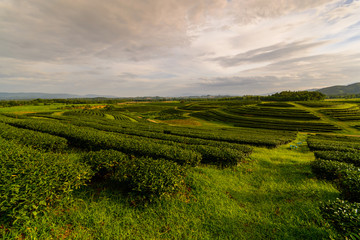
x=171, y=48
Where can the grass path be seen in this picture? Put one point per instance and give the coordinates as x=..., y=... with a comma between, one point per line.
x=273, y=196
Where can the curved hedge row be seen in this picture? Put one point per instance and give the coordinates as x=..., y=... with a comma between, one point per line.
x=256, y=137
x=347, y=114
x=321, y=144
x=30, y=180
x=34, y=139
x=241, y=121
x=348, y=157
x=272, y=112
x=167, y=136
x=89, y=138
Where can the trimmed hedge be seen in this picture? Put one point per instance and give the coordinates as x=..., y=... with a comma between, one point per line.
x=346, y=176
x=343, y=215
x=89, y=138
x=145, y=176
x=30, y=180
x=331, y=170
x=349, y=185
x=34, y=139
x=151, y=177
x=104, y=162
x=348, y=157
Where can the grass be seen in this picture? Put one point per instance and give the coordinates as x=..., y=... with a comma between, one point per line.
x=273, y=196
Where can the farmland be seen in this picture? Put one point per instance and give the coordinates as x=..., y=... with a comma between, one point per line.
x=194, y=169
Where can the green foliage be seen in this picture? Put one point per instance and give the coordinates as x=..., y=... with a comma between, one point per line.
x=331, y=170
x=333, y=143
x=343, y=215
x=273, y=112
x=31, y=180
x=347, y=114
x=295, y=96
x=346, y=176
x=224, y=137
x=151, y=177
x=276, y=104
x=349, y=185
x=105, y=162
x=144, y=176
x=34, y=139
x=319, y=104
x=266, y=123
x=93, y=139
x=341, y=156
x=224, y=157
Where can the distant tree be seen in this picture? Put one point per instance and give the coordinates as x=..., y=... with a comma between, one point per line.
x=295, y=96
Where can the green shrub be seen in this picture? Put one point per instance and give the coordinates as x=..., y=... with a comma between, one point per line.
x=349, y=157
x=151, y=177
x=349, y=185
x=346, y=176
x=89, y=138
x=105, y=161
x=144, y=176
x=343, y=215
x=34, y=139
x=224, y=157
x=331, y=170
x=30, y=180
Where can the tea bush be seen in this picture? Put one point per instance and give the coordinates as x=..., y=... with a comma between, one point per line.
x=151, y=177
x=34, y=139
x=343, y=215
x=145, y=176
x=30, y=180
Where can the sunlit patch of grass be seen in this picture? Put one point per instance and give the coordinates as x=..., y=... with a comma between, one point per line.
x=183, y=122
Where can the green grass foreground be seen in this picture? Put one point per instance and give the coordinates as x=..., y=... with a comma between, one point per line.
x=272, y=196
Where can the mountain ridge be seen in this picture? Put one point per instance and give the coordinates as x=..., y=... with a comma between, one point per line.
x=338, y=90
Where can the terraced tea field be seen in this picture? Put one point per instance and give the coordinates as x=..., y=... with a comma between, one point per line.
x=243, y=170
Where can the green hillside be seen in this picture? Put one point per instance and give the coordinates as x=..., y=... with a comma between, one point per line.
x=341, y=90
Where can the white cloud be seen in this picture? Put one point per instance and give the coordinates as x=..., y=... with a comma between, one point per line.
x=158, y=47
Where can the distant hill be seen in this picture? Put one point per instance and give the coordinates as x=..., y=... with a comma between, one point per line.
x=341, y=90
x=33, y=95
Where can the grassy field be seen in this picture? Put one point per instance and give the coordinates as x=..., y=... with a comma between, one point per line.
x=261, y=193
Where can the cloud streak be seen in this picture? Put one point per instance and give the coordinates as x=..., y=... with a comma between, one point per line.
x=134, y=48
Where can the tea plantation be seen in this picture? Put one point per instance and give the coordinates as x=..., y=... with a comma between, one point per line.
x=195, y=169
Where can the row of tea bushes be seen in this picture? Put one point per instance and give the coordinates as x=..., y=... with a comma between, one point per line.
x=340, y=156
x=338, y=161
x=249, y=136
x=161, y=135
x=264, y=123
x=342, y=214
x=93, y=139
x=223, y=156
x=31, y=180
x=347, y=114
x=37, y=140
x=273, y=112
x=212, y=152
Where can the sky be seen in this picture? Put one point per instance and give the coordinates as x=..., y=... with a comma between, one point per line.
x=129, y=48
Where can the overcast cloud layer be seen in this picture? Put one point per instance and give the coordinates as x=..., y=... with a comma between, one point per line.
x=172, y=48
